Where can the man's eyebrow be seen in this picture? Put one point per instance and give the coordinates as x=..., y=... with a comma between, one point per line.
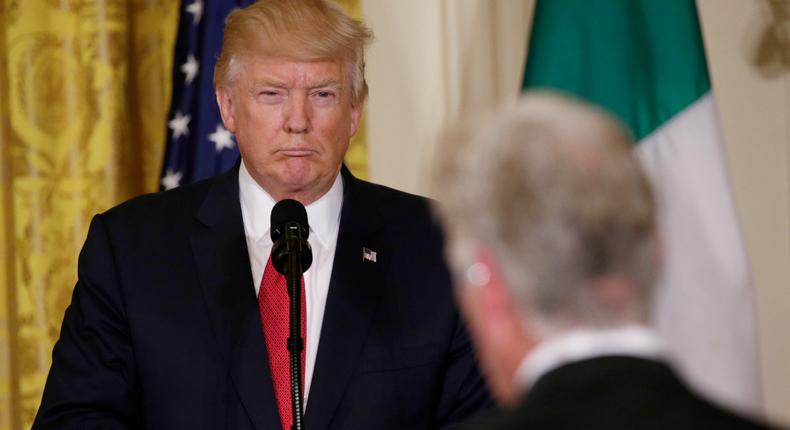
x=328, y=82
x=267, y=83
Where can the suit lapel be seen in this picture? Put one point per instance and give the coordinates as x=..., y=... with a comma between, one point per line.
x=220, y=251
x=355, y=289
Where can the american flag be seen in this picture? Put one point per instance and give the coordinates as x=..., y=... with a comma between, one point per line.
x=198, y=146
x=368, y=255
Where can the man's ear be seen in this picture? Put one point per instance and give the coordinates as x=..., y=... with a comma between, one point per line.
x=501, y=336
x=496, y=299
x=356, y=117
x=226, y=108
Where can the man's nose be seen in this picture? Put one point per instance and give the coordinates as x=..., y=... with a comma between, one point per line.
x=297, y=115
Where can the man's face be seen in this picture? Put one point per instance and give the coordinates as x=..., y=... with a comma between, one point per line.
x=293, y=121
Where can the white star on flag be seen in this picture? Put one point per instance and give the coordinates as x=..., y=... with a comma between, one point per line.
x=196, y=9
x=172, y=179
x=222, y=138
x=179, y=125
x=190, y=68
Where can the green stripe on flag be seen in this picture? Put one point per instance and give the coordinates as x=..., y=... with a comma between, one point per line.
x=642, y=59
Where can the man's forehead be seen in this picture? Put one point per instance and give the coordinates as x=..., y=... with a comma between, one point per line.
x=283, y=71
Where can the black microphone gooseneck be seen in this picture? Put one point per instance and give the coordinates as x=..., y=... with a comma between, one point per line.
x=292, y=256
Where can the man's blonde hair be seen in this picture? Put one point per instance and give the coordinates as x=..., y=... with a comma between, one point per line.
x=552, y=187
x=305, y=30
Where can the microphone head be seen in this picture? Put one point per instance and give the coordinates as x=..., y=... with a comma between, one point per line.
x=284, y=212
x=289, y=231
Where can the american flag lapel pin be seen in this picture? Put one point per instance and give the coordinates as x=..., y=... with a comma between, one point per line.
x=368, y=255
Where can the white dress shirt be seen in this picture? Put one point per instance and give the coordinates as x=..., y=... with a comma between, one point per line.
x=584, y=343
x=323, y=215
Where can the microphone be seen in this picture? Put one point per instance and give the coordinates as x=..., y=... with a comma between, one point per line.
x=289, y=232
x=292, y=256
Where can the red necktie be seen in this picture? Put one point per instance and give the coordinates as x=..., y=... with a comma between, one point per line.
x=274, y=305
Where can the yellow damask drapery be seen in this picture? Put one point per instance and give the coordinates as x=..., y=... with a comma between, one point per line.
x=84, y=92
x=85, y=87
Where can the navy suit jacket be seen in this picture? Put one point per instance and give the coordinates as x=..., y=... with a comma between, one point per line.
x=617, y=393
x=164, y=332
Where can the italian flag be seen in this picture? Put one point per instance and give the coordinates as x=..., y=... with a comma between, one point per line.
x=644, y=61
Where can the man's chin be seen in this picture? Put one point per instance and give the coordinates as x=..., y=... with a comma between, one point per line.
x=304, y=188
x=299, y=179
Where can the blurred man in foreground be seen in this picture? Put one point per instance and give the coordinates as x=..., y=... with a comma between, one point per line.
x=552, y=237
x=179, y=320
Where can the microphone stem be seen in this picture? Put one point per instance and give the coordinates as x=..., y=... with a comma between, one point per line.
x=295, y=341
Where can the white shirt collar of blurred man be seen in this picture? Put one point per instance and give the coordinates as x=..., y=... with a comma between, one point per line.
x=584, y=343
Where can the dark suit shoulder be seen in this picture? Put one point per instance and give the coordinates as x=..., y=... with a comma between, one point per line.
x=184, y=199
x=389, y=196
x=523, y=417
x=398, y=209
x=617, y=393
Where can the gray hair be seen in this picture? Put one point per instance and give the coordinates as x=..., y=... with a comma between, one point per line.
x=552, y=188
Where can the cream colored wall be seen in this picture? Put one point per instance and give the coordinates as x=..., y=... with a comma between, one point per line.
x=431, y=61
x=434, y=59
x=405, y=74
x=754, y=115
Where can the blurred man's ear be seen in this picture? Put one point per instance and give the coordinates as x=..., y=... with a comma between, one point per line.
x=497, y=326
x=499, y=308
x=495, y=297
x=225, y=103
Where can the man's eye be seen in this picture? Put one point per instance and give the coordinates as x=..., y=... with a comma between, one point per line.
x=270, y=96
x=324, y=94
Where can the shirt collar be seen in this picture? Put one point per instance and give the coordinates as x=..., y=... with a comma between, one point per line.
x=584, y=343
x=323, y=215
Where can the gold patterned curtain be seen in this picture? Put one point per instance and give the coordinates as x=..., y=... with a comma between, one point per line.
x=84, y=93
x=84, y=87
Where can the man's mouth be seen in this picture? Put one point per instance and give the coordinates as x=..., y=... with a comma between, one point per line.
x=297, y=152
